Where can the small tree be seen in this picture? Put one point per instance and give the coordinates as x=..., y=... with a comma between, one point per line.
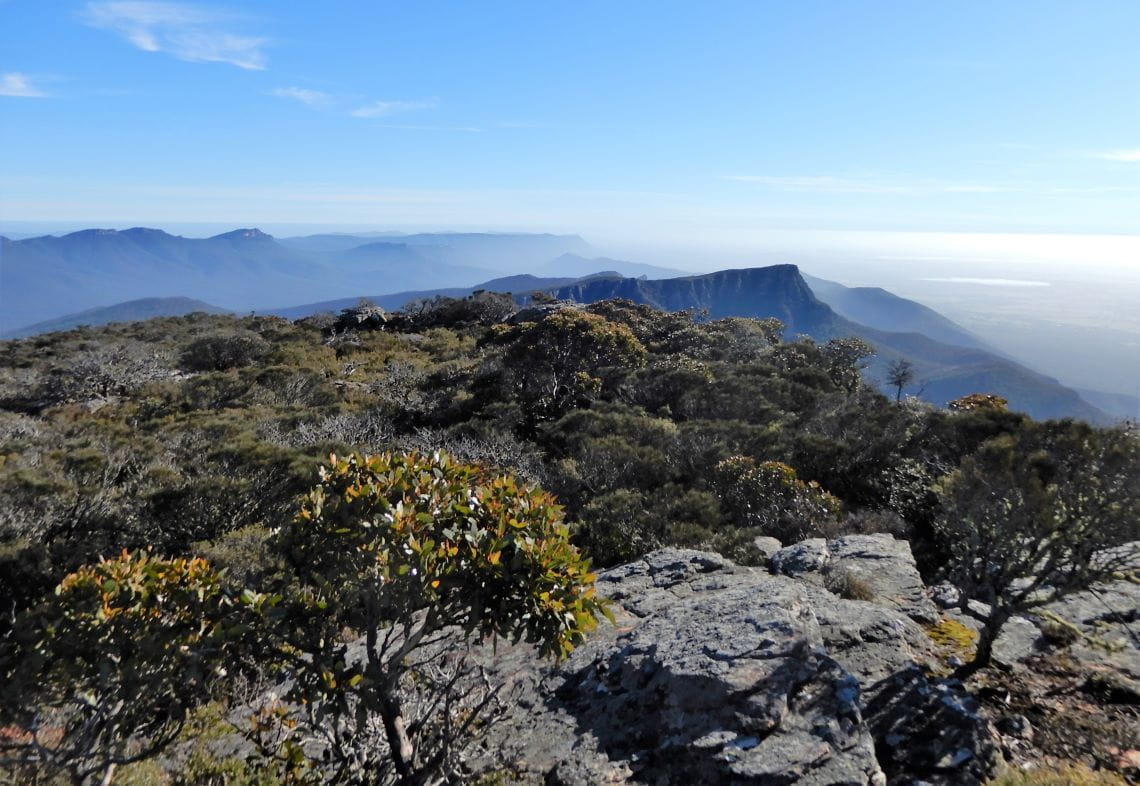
x=558, y=362
x=900, y=373
x=224, y=351
x=415, y=554
x=1030, y=519
x=845, y=360
x=106, y=671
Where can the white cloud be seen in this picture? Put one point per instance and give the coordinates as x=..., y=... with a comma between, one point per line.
x=184, y=31
x=19, y=85
x=385, y=108
x=304, y=95
x=1131, y=156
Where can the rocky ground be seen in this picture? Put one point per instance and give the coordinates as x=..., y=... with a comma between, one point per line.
x=827, y=668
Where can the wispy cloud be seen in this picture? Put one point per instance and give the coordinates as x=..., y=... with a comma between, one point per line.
x=19, y=85
x=991, y=282
x=827, y=183
x=1131, y=156
x=188, y=32
x=867, y=185
x=386, y=108
x=304, y=95
x=463, y=129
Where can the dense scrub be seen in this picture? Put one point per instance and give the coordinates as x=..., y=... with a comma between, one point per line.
x=194, y=436
x=197, y=433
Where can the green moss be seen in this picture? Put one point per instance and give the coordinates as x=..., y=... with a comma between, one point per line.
x=953, y=636
x=1063, y=775
x=204, y=768
x=141, y=773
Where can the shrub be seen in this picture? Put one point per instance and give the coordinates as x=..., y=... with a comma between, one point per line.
x=770, y=497
x=223, y=351
x=848, y=585
x=402, y=548
x=106, y=672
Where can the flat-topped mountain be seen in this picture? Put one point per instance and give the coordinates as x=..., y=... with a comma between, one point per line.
x=944, y=371
x=776, y=291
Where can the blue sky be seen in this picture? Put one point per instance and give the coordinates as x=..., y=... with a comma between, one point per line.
x=676, y=119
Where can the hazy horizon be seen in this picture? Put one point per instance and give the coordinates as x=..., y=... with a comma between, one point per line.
x=980, y=158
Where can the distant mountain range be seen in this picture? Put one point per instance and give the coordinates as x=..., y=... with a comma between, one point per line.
x=248, y=270
x=46, y=277
x=575, y=266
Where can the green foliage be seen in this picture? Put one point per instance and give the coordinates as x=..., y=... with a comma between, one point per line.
x=428, y=533
x=629, y=414
x=562, y=360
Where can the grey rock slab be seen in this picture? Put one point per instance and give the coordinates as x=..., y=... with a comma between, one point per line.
x=883, y=563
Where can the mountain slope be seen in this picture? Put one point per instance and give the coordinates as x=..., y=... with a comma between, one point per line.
x=129, y=311
x=945, y=371
x=878, y=308
x=519, y=284
x=576, y=266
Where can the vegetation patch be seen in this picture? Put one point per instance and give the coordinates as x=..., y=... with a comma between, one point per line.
x=1059, y=775
x=953, y=637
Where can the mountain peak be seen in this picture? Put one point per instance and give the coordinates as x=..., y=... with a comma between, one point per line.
x=243, y=234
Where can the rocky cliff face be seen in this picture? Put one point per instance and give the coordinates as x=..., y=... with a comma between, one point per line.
x=717, y=673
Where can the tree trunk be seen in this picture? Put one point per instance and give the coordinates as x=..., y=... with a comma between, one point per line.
x=985, y=649
x=400, y=745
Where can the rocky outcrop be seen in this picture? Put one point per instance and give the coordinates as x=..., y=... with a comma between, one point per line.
x=717, y=673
